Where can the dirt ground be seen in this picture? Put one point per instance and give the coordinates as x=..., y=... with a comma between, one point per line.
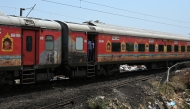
x=134, y=95
x=138, y=94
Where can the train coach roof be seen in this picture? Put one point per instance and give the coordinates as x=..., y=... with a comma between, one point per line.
x=27, y=21
x=117, y=30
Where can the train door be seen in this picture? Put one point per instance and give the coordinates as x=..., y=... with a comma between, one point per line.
x=29, y=47
x=92, y=55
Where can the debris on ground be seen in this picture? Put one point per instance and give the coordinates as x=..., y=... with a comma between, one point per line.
x=125, y=67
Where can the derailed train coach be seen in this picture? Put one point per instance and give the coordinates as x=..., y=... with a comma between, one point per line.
x=34, y=50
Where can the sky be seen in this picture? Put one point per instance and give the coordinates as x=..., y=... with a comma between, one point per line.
x=172, y=16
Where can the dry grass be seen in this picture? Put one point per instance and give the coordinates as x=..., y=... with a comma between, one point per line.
x=155, y=83
x=175, y=89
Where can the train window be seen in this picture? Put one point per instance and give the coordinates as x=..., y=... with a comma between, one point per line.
x=169, y=48
x=129, y=47
x=161, y=48
x=182, y=48
x=176, y=48
x=49, y=43
x=188, y=48
x=28, y=43
x=141, y=47
x=151, y=47
x=116, y=47
x=79, y=43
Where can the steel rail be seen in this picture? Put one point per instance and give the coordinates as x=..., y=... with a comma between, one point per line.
x=71, y=100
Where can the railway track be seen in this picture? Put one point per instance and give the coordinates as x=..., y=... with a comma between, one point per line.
x=68, y=83
x=61, y=104
x=73, y=100
x=70, y=100
x=129, y=81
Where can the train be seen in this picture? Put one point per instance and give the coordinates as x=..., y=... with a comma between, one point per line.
x=35, y=50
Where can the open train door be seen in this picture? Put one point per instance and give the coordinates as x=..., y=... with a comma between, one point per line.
x=92, y=54
x=93, y=38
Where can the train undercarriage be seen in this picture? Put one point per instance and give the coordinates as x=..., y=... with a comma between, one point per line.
x=11, y=78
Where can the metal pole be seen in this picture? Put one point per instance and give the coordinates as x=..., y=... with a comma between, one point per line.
x=166, y=87
x=167, y=79
x=168, y=73
x=170, y=68
x=21, y=9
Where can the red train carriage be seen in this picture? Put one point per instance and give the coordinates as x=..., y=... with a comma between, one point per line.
x=34, y=50
x=119, y=45
x=29, y=49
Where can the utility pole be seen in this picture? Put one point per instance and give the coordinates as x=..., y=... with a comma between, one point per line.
x=21, y=9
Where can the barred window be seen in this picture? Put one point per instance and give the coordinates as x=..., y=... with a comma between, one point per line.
x=151, y=47
x=116, y=46
x=176, y=48
x=141, y=47
x=188, y=48
x=161, y=48
x=129, y=47
x=169, y=48
x=182, y=48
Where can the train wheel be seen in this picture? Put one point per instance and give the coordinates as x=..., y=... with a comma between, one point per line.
x=115, y=73
x=6, y=83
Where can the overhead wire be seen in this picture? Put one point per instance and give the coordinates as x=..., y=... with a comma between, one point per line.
x=59, y=14
x=133, y=11
x=13, y=7
x=46, y=12
x=9, y=7
x=114, y=14
x=96, y=11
